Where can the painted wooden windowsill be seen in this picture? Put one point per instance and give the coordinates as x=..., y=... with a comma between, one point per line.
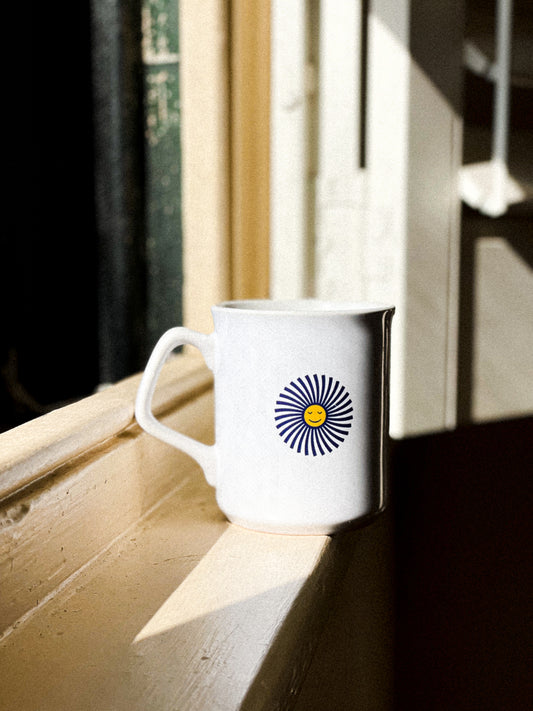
x=124, y=587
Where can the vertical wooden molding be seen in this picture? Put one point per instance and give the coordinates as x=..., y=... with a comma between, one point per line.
x=162, y=174
x=250, y=139
x=204, y=79
x=293, y=146
x=119, y=195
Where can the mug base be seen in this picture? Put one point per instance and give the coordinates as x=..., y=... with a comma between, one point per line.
x=285, y=529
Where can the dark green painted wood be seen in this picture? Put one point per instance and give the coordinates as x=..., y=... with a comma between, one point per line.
x=162, y=167
x=137, y=177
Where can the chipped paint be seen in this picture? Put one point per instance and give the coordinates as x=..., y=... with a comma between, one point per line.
x=161, y=61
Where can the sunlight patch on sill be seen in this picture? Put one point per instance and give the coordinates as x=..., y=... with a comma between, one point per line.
x=245, y=566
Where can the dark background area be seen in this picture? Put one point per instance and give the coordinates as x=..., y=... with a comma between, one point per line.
x=92, y=267
x=463, y=547
x=49, y=338
x=92, y=263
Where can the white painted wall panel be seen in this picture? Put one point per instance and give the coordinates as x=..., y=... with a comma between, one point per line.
x=289, y=151
x=340, y=187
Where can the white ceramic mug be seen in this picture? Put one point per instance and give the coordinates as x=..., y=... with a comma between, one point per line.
x=301, y=412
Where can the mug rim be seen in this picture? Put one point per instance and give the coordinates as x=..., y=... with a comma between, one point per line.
x=303, y=307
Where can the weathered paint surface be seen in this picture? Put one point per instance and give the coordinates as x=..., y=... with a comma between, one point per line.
x=162, y=166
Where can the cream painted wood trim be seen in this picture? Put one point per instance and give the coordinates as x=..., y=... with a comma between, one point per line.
x=54, y=529
x=75, y=484
x=250, y=147
x=224, y=75
x=38, y=447
x=205, y=141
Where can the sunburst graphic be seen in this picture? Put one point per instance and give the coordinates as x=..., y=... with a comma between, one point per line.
x=314, y=414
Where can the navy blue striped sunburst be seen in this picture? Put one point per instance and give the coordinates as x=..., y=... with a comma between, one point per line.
x=314, y=414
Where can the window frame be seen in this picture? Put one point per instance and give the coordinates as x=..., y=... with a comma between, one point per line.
x=225, y=80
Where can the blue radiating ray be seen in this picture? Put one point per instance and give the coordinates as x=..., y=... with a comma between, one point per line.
x=293, y=396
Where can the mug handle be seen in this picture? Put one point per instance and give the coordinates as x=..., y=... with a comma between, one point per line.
x=174, y=337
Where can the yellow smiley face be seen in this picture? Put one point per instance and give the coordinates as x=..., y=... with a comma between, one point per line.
x=315, y=416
